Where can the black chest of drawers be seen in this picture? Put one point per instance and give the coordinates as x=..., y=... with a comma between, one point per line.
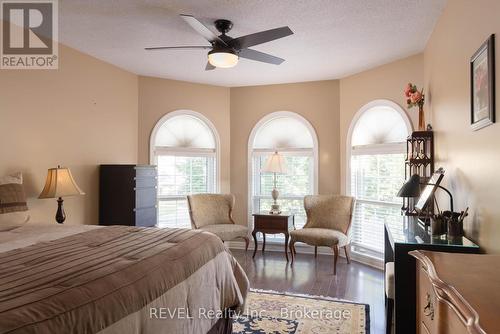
x=127, y=195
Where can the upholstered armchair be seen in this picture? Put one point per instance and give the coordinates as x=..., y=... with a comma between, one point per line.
x=213, y=213
x=328, y=222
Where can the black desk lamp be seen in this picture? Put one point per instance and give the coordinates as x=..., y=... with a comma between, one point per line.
x=412, y=189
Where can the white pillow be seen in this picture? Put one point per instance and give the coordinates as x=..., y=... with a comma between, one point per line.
x=11, y=220
x=16, y=178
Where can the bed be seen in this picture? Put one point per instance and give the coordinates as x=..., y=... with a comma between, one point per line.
x=117, y=279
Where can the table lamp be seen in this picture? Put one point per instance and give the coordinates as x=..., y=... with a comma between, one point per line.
x=275, y=164
x=59, y=184
x=412, y=188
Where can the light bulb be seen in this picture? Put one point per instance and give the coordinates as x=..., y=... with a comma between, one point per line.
x=223, y=58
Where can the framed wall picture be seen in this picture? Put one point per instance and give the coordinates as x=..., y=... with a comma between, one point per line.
x=482, y=83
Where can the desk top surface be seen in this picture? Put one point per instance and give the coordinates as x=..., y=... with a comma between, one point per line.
x=410, y=231
x=267, y=214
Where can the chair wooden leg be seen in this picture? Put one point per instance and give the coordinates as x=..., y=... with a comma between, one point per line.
x=292, y=251
x=263, y=242
x=315, y=251
x=335, y=258
x=347, y=256
x=286, y=246
x=388, y=312
x=254, y=235
x=247, y=242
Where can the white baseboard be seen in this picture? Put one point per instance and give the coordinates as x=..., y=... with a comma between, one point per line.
x=306, y=249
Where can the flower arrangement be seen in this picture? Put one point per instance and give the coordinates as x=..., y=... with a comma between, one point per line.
x=414, y=97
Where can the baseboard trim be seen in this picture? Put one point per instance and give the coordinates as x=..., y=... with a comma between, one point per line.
x=306, y=249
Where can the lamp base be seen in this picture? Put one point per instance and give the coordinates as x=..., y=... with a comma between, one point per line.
x=60, y=214
x=275, y=209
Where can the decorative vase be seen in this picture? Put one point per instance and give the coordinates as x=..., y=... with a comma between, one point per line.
x=275, y=208
x=421, y=118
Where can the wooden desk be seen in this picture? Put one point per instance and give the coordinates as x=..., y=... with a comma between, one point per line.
x=401, y=239
x=272, y=224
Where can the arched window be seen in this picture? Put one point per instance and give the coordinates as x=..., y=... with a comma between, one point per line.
x=184, y=145
x=292, y=136
x=376, y=163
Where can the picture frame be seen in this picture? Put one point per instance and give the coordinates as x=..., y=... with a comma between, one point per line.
x=482, y=85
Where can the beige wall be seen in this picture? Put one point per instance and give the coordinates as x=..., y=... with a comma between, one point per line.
x=471, y=159
x=158, y=97
x=317, y=101
x=328, y=105
x=119, y=110
x=79, y=116
x=383, y=82
x=89, y=112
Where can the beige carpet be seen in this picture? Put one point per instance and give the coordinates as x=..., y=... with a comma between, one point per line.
x=284, y=313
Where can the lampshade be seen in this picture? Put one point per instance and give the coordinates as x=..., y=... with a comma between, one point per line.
x=275, y=164
x=410, y=188
x=223, y=58
x=60, y=183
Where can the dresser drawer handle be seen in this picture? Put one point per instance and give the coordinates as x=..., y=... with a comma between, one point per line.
x=429, y=308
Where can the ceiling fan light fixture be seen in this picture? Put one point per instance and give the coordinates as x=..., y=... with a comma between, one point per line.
x=223, y=58
x=225, y=50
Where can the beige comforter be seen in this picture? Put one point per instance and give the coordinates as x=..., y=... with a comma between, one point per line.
x=62, y=279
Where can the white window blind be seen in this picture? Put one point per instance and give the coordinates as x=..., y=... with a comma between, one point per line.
x=376, y=173
x=292, y=186
x=379, y=125
x=294, y=138
x=184, y=147
x=375, y=180
x=179, y=176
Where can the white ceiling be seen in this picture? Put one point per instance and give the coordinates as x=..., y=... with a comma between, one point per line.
x=332, y=38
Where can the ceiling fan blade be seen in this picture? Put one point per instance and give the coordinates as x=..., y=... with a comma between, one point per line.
x=202, y=29
x=209, y=67
x=260, y=56
x=260, y=37
x=178, y=48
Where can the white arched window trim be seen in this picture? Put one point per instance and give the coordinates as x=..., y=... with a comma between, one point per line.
x=368, y=253
x=154, y=150
x=375, y=148
x=251, y=151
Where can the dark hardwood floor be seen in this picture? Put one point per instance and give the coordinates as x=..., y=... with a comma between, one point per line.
x=354, y=282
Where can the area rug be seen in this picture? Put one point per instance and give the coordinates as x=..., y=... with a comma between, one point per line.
x=284, y=313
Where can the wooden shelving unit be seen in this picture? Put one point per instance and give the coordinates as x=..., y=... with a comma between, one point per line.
x=419, y=160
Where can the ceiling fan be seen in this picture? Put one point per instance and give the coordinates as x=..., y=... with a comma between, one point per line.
x=224, y=50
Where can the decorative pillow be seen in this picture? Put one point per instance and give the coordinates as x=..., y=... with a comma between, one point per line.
x=13, y=206
x=16, y=178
